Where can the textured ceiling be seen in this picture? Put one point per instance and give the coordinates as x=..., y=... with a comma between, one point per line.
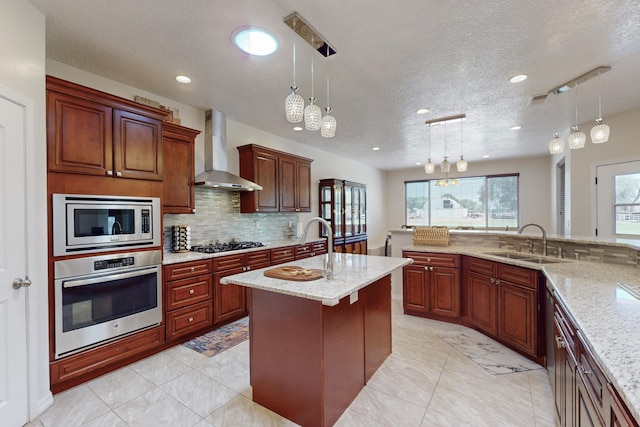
x=392, y=58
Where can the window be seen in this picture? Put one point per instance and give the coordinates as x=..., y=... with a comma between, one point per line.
x=627, y=204
x=479, y=202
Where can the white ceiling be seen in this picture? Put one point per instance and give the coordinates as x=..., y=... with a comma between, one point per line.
x=393, y=57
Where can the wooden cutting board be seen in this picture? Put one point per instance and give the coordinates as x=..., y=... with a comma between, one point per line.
x=293, y=272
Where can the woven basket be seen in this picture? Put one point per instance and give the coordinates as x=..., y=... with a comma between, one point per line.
x=431, y=236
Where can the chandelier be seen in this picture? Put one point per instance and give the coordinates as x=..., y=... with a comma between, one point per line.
x=445, y=166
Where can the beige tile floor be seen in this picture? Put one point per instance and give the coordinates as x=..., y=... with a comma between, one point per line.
x=425, y=382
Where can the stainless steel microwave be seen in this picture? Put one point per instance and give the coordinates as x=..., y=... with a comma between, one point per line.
x=89, y=223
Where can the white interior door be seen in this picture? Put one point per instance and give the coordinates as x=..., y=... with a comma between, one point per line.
x=618, y=200
x=13, y=319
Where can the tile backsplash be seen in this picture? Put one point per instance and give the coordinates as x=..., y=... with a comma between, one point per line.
x=218, y=218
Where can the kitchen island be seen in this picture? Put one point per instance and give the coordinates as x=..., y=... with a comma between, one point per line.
x=314, y=344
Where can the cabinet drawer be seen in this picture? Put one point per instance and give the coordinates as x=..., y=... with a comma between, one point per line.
x=103, y=357
x=181, y=293
x=189, y=319
x=591, y=373
x=433, y=259
x=254, y=259
x=521, y=276
x=183, y=270
x=303, y=251
x=479, y=265
x=228, y=262
x=318, y=248
x=281, y=255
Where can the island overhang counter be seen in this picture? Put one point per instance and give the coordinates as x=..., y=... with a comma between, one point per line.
x=314, y=344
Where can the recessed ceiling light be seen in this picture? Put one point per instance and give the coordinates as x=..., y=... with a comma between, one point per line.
x=422, y=111
x=183, y=79
x=297, y=128
x=518, y=78
x=376, y=148
x=515, y=127
x=255, y=41
x=418, y=163
x=486, y=156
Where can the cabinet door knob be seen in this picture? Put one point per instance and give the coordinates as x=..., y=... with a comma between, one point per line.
x=193, y=269
x=109, y=173
x=190, y=319
x=584, y=370
x=118, y=173
x=560, y=343
x=493, y=280
x=191, y=292
x=497, y=281
x=248, y=268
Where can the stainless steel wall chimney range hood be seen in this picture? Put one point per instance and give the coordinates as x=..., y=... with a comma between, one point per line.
x=215, y=173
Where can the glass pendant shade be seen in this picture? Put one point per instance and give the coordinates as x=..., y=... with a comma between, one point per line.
x=577, y=139
x=294, y=106
x=328, y=125
x=461, y=165
x=445, y=166
x=600, y=132
x=454, y=182
x=556, y=145
x=429, y=167
x=312, y=115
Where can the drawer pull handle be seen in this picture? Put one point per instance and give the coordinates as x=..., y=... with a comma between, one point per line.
x=560, y=342
x=190, y=319
x=497, y=281
x=191, y=292
x=584, y=370
x=493, y=280
x=193, y=269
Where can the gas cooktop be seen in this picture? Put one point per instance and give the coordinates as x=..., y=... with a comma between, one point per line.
x=213, y=248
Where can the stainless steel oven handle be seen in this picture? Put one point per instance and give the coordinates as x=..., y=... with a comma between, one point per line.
x=92, y=280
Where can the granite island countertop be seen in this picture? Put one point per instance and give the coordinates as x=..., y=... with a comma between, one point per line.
x=607, y=314
x=351, y=273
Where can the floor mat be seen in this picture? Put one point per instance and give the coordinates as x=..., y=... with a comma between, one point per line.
x=221, y=339
x=489, y=354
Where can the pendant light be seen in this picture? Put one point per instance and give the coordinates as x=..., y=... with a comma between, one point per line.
x=461, y=164
x=600, y=132
x=556, y=145
x=294, y=103
x=445, y=166
x=312, y=113
x=328, y=124
x=429, y=167
x=577, y=138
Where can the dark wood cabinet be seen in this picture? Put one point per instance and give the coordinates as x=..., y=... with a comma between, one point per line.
x=93, y=133
x=344, y=205
x=504, y=302
x=431, y=285
x=231, y=301
x=583, y=395
x=285, y=179
x=282, y=255
x=310, y=249
x=178, y=146
x=188, y=288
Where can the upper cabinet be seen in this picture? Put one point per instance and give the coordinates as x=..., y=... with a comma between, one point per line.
x=285, y=179
x=178, y=153
x=93, y=133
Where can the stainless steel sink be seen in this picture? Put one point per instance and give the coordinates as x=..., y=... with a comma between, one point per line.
x=537, y=259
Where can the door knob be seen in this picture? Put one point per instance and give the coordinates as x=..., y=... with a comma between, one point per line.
x=21, y=283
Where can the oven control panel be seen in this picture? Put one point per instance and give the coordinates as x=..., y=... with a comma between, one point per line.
x=106, y=264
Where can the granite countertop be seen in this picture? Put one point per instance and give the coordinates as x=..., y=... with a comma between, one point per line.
x=174, y=257
x=607, y=314
x=351, y=273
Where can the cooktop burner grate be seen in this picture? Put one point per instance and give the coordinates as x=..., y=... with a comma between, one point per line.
x=225, y=247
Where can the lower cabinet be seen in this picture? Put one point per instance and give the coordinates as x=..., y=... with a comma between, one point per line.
x=431, y=285
x=503, y=301
x=188, y=297
x=583, y=394
x=231, y=301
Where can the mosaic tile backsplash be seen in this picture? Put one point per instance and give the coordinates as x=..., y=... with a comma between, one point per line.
x=218, y=218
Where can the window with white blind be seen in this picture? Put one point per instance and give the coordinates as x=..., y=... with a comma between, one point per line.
x=478, y=202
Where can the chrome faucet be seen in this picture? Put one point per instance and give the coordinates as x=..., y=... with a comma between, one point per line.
x=544, y=236
x=328, y=268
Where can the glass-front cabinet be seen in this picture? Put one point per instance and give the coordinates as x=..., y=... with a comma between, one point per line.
x=343, y=204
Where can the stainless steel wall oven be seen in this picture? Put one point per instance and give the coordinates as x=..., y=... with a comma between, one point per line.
x=99, y=298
